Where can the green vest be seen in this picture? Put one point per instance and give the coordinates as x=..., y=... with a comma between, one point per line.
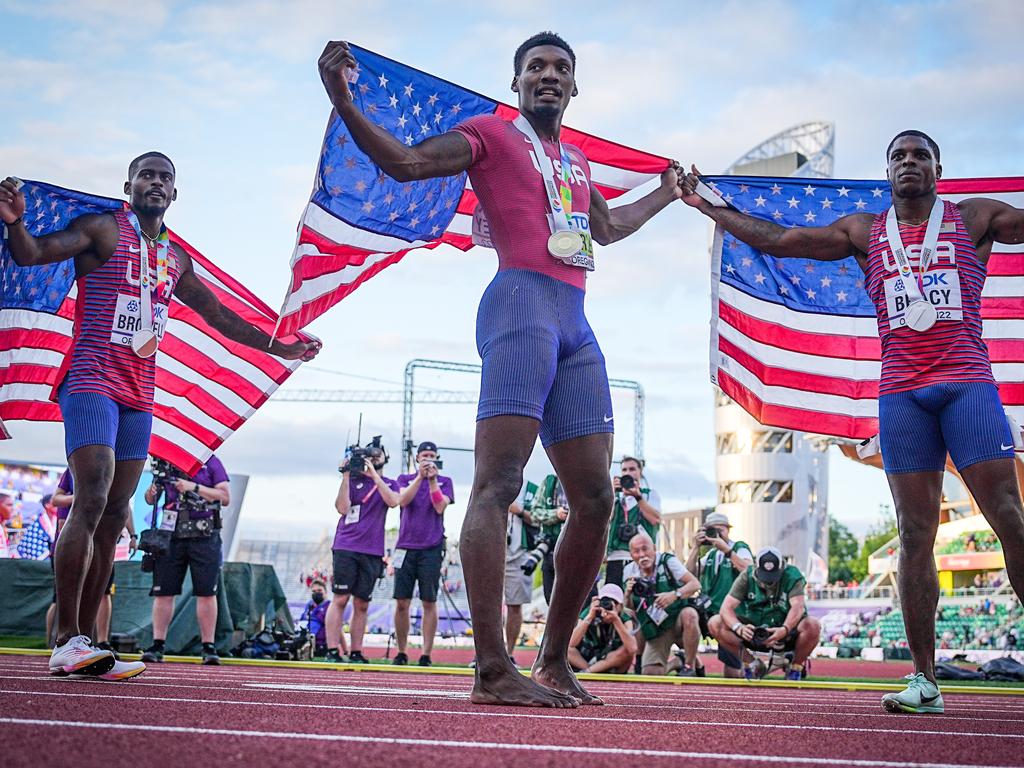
x=542, y=506
x=636, y=517
x=664, y=581
x=762, y=608
x=601, y=640
x=716, y=578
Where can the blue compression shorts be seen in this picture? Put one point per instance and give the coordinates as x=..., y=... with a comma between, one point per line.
x=540, y=357
x=919, y=426
x=94, y=419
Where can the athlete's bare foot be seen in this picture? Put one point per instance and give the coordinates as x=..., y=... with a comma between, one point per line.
x=504, y=685
x=559, y=677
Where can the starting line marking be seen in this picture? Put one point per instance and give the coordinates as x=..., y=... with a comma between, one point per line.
x=722, y=757
x=534, y=713
x=327, y=688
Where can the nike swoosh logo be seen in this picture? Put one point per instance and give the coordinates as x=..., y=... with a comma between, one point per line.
x=929, y=699
x=1005, y=447
x=608, y=418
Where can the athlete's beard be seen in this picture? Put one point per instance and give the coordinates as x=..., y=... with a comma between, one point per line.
x=147, y=209
x=547, y=111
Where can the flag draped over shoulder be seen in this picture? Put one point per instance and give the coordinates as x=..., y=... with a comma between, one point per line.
x=795, y=341
x=206, y=385
x=359, y=221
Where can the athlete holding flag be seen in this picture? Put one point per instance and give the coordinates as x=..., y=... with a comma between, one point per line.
x=542, y=368
x=924, y=260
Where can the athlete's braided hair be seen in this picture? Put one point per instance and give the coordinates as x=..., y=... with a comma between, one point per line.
x=541, y=38
x=133, y=166
x=921, y=135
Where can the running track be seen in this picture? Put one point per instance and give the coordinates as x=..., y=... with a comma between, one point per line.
x=187, y=716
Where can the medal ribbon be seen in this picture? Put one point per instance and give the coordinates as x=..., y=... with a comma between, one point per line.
x=899, y=251
x=560, y=197
x=145, y=290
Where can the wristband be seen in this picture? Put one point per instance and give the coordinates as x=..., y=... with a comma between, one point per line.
x=17, y=221
x=197, y=487
x=436, y=496
x=736, y=627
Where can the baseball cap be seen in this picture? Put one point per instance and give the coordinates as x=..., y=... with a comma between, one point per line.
x=769, y=565
x=718, y=518
x=614, y=591
x=426, y=445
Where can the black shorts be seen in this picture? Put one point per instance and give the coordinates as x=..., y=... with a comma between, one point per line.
x=356, y=573
x=421, y=566
x=201, y=556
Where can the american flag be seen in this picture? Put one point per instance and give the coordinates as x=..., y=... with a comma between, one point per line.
x=206, y=386
x=795, y=341
x=37, y=541
x=359, y=221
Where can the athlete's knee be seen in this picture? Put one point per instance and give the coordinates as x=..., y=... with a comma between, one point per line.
x=499, y=487
x=916, y=536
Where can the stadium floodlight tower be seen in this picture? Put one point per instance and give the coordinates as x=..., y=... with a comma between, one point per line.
x=773, y=483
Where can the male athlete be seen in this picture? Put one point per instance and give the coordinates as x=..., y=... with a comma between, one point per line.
x=542, y=368
x=936, y=392
x=105, y=386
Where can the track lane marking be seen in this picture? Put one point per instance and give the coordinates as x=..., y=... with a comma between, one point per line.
x=722, y=757
x=530, y=713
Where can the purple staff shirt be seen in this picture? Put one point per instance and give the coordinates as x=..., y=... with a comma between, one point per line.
x=421, y=527
x=209, y=475
x=362, y=529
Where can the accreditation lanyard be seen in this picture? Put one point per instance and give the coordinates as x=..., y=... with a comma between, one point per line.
x=146, y=283
x=899, y=251
x=559, y=197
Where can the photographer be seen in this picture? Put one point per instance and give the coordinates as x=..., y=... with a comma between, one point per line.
x=518, y=572
x=603, y=639
x=657, y=587
x=637, y=508
x=724, y=561
x=420, y=550
x=765, y=610
x=315, y=615
x=364, y=498
x=549, y=510
x=191, y=513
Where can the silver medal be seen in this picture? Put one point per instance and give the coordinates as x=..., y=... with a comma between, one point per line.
x=564, y=245
x=920, y=315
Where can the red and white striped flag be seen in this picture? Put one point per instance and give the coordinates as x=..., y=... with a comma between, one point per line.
x=359, y=221
x=795, y=341
x=206, y=386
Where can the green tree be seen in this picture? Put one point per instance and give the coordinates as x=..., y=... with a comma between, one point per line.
x=878, y=536
x=843, y=549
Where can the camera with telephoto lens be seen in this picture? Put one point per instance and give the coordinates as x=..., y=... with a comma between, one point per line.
x=357, y=456
x=534, y=557
x=627, y=482
x=437, y=462
x=761, y=635
x=606, y=605
x=710, y=532
x=627, y=531
x=643, y=588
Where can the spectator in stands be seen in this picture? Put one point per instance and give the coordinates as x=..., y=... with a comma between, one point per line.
x=657, y=588
x=6, y=516
x=717, y=570
x=768, y=595
x=40, y=536
x=637, y=508
x=191, y=512
x=315, y=617
x=364, y=498
x=518, y=585
x=603, y=639
x=419, y=552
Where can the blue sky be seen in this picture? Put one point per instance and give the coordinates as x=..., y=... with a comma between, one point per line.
x=230, y=91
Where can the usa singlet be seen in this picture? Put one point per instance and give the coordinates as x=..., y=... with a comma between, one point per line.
x=952, y=350
x=107, y=313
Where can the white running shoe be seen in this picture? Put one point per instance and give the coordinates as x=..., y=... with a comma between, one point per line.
x=122, y=670
x=921, y=696
x=77, y=654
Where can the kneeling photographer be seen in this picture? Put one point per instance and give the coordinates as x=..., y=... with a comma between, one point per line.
x=637, y=508
x=723, y=562
x=603, y=639
x=189, y=528
x=657, y=587
x=766, y=611
x=548, y=509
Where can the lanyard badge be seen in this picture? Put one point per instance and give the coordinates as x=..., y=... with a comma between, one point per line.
x=145, y=340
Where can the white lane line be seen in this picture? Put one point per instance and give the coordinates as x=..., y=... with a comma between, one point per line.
x=534, y=714
x=356, y=689
x=722, y=757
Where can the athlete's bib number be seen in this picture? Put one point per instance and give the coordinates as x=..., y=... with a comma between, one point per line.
x=941, y=287
x=353, y=515
x=128, y=320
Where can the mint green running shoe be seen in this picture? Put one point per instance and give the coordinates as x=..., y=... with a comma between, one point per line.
x=920, y=697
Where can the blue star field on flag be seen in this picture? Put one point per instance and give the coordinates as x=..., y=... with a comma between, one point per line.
x=808, y=285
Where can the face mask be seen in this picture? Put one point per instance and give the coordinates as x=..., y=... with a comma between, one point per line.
x=318, y=597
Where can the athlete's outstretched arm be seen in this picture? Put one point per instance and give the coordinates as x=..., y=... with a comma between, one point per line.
x=844, y=237
x=82, y=235
x=444, y=155
x=993, y=221
x=607, y=225
x=195, y=294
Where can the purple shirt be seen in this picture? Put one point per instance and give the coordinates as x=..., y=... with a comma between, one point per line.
x=66, y=485
x=421, y=527
x=362, y=529
x=210, y=474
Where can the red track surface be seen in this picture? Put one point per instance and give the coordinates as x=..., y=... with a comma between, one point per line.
x=187, y=716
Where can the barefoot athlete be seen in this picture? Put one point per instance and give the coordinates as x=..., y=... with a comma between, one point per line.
x=542, y=368
x=924, y=261
x=126, y=269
